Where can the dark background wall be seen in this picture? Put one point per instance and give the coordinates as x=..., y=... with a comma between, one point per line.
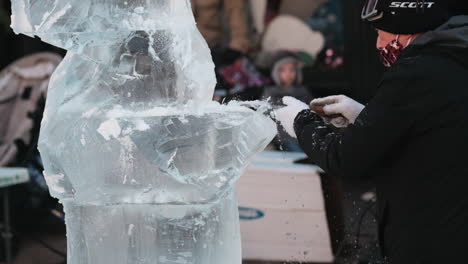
x=363, y=69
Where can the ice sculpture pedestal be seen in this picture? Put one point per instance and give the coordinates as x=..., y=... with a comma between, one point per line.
x=141, y=233
x=142, y=160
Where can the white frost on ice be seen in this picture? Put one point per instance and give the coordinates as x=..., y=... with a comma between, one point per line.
x=170, y=161
x=110, y=128
x=49, y=21
x=225, y=145
x=54, y=182
x=130, y=229
x=19, y=19
x=179, y=260
x=127, y=144
x=141, y=125
x=89, y=113
x=139, y=10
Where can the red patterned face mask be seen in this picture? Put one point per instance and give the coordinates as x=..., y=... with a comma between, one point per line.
x=390, y=54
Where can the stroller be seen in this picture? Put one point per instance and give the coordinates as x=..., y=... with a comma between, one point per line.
x=23, y=88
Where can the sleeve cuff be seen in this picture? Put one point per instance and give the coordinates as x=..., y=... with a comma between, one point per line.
x=304, y=118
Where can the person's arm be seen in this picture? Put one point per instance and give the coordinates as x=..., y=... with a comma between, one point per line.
x=235, y=12
x=362, y=146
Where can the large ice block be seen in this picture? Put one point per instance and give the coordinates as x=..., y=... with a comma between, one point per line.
x=142, y=160
x=124, y=46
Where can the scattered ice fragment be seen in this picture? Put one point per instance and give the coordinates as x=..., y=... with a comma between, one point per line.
x=89, y=113
x=55, y=181
x=130, y=229
x=109, y=128
x=141, y=125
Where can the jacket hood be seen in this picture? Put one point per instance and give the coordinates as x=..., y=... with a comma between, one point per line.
x=454, y=34
x=448, y=40
x=276, y=67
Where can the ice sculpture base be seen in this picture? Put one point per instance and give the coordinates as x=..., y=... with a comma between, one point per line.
x=153, y=234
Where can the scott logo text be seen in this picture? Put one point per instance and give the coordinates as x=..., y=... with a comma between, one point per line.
x=411, y=4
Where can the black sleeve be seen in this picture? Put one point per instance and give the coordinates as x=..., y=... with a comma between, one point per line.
x=379, y=129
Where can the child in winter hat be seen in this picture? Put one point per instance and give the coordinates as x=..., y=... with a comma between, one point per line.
x=287, y=77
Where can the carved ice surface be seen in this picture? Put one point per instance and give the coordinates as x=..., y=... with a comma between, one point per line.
x=144, y=163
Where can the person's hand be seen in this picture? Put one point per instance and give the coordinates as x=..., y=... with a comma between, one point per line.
x=339, y=110
x=287, y=114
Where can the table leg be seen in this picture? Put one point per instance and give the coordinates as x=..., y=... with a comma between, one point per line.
x=6, y=234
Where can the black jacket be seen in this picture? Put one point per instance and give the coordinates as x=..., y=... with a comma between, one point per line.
x=412, y=139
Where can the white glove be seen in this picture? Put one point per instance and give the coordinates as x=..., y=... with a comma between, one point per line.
x=342, y=105
x=287, y=114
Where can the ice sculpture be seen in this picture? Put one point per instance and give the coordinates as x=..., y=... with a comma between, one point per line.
x=144, y=163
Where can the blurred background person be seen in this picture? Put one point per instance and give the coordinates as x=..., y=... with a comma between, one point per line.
x=287, y=80
x=286, y=75
x=224, y=25
x=214, y=16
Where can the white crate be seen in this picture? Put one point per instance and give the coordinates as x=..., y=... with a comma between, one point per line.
x=286, y=211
